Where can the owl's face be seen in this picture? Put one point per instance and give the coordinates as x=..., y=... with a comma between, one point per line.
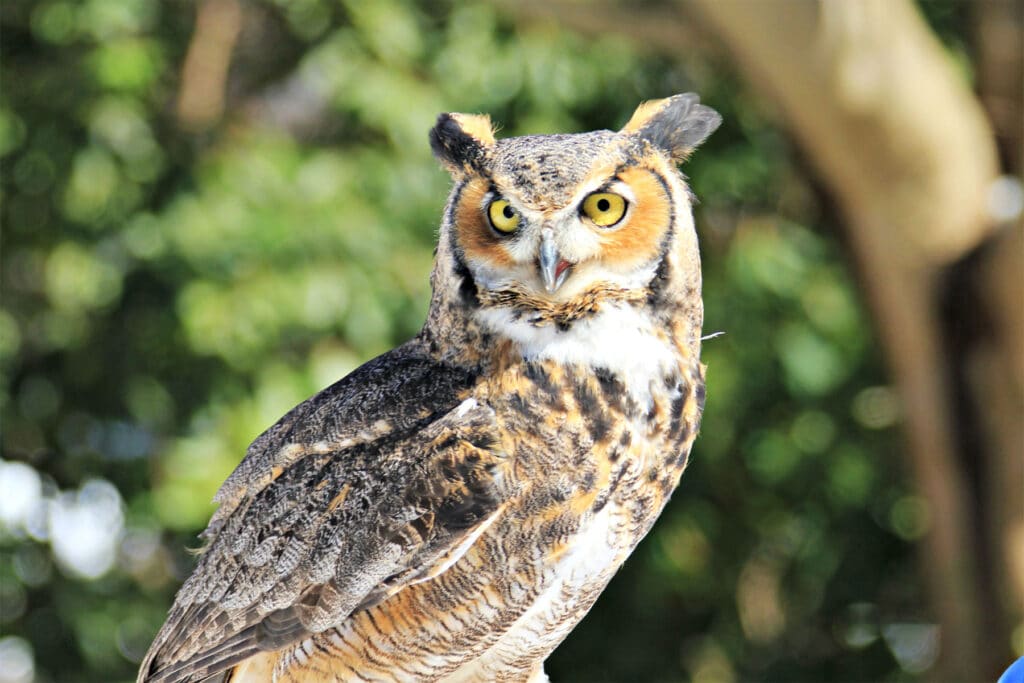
x=550, y=226
x=556, y=216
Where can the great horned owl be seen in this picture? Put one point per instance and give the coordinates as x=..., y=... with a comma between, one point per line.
x=451, y=509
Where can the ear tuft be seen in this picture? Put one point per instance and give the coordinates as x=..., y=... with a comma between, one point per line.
x=462, y=142
x=677, y=125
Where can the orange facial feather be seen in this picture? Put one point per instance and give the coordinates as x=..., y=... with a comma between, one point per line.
x=639, y=239
x=475, y=236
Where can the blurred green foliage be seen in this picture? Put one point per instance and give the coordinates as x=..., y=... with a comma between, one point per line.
x=167, y=295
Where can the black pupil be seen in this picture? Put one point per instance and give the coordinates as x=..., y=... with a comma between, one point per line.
x=507, y=212
x=603, y=205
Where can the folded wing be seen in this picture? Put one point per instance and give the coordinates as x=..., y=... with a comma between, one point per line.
x=380, y=481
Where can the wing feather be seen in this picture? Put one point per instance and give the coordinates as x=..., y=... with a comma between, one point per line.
x=327, y=515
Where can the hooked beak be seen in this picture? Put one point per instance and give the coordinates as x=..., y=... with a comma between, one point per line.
x=553, y=268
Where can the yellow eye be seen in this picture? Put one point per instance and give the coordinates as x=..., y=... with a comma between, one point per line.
x=604, y=208
x=503, y=217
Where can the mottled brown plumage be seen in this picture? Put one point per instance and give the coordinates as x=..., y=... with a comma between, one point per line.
x=450, y=510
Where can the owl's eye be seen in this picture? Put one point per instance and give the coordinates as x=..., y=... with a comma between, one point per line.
x=503, y=217
x=604, y=208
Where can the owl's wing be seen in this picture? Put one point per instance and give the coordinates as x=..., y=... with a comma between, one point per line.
x=380, y=481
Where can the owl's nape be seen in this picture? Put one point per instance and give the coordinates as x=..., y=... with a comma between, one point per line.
x=450, y=510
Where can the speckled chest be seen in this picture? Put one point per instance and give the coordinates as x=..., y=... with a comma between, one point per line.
x=585, y=451
x=581, y=438
x=589, y=470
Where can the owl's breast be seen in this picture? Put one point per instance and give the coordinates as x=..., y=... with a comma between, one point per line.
x=591, y=463
x=605, y=406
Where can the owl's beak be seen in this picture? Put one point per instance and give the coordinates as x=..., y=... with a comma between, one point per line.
x=553, y=268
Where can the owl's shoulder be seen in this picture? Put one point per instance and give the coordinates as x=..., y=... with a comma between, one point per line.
x=392, y=394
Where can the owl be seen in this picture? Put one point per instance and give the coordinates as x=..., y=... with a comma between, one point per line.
x=450, y=510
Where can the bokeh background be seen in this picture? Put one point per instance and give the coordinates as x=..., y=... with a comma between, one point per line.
x=213, y=209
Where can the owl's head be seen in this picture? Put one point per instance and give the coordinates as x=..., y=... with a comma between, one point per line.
x=546, y=230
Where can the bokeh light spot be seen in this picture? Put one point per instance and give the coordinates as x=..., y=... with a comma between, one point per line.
x=910, y=517
x=86, y=527
x=17, y=665
x=20, y=494
x=876, y=407
x=915, y=646
x=76, y=278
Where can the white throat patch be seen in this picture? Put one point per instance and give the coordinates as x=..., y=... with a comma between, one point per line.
x=618, y=338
